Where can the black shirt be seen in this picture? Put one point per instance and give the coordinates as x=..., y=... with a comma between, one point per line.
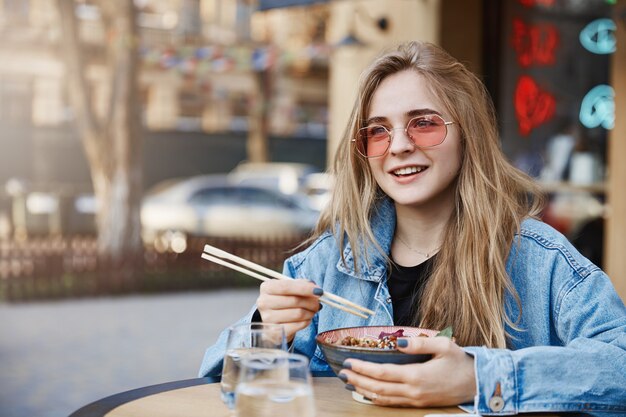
x=406, y=284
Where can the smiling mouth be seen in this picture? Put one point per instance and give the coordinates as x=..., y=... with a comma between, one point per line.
x=406, y=171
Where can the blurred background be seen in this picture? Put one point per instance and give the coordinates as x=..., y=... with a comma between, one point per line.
x=134, y=132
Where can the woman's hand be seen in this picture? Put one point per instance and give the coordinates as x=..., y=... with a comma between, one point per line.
x=447, y=379
x=292, y=303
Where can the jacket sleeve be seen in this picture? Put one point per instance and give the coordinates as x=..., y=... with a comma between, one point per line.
x=214, y=355
x=586, y=373
x=304, y=341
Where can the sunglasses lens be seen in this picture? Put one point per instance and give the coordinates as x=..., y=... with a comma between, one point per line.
x=427, y=130
x=424, y=131
x=373, y=141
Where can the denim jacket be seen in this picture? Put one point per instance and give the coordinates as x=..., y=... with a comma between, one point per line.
x=569, y=354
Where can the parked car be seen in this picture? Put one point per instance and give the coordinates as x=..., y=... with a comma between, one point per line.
x=318, y=187
x=215, y=205
x=40, y=209
x=287, y=177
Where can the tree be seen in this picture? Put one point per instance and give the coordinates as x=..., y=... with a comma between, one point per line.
x=111, y=137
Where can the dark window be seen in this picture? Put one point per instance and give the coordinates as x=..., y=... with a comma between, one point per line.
x=213, y=195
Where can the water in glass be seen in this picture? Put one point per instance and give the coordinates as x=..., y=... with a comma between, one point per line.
x=272, y=399
x=230, y=372
x=242, y=340
x=272, y=385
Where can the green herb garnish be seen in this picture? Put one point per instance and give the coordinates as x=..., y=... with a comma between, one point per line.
x=447, y=332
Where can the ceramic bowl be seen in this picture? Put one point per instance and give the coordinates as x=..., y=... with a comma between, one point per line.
x=335, y=353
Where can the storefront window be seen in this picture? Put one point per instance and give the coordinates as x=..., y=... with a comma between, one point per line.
x=555, y=101
x=556, y=105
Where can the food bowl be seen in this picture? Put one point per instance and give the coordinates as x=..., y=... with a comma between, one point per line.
x=335, y=353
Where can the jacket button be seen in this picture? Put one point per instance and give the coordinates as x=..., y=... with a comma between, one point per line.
x=389, y=300
x=496, y=403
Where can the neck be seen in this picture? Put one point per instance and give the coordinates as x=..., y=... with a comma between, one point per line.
x=420, y=228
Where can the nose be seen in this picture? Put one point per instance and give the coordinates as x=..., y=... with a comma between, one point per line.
x=400, y=142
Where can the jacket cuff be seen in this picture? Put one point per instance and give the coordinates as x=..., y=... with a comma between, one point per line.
x=256, y=317
x=496, y=385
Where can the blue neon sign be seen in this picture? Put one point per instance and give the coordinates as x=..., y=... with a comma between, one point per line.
x=598, y=107
x=598, y=37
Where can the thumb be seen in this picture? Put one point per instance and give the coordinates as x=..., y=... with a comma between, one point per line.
x=425, y=345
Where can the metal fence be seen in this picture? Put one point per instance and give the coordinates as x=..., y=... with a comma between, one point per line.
x=49, y=268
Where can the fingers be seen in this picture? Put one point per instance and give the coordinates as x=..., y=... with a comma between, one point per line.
x=284, y=294
x=297, y=287
x=397, y=385
x=290, y=315
x=292, y=328
x=289, y=302
x=368, y=384
x=281, y=302
x=381, y=393
x=389, y=400
x=427, y=345
x=381, y=372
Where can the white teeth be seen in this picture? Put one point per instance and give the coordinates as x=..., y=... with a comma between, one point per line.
x=408, y=170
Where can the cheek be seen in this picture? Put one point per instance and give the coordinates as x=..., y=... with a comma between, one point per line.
x=376, y=166
x=453, y=158
x=455, y=164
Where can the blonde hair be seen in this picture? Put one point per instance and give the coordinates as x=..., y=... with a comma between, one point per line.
x=468, y=283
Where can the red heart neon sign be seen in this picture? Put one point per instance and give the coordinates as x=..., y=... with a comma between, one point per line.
x=533, y=106
x=531, y=3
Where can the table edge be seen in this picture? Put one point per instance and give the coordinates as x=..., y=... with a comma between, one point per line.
x=100, y=407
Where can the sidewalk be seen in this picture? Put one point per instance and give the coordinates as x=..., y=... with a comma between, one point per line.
x=58, y=356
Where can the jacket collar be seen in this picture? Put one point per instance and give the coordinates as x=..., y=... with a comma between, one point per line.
x=383, y=222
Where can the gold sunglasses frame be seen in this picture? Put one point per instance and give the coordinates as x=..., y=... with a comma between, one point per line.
x=406, y=131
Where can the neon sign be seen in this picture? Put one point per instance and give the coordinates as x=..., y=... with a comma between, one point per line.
x=531, y=3
x=533, y=106
x=598, y=107
x=598, y=36
x=534, y=44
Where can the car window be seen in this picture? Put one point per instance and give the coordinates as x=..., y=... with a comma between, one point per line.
x=261, y=197
x=213, y=195
x=264, y=181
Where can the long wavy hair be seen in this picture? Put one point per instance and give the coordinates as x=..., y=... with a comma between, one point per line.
x=468, y=283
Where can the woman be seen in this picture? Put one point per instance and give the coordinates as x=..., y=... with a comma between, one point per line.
x=430, y=225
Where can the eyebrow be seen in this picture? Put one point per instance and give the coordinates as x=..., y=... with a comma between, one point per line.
x=410, y=113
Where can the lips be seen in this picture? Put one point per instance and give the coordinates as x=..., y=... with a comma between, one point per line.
x=408, y=170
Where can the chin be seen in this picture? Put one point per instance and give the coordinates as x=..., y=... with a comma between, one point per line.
x=405, y=200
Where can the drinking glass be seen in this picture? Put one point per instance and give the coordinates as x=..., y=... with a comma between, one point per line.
x=272, y=385
x=244, y=339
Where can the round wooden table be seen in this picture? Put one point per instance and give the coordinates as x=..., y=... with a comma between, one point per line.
x=201, y=397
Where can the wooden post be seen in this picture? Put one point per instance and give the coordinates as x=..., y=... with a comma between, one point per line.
x=257, y=146
x=615, y=228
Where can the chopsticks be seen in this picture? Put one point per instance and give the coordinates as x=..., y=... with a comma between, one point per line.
x=222, y=257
